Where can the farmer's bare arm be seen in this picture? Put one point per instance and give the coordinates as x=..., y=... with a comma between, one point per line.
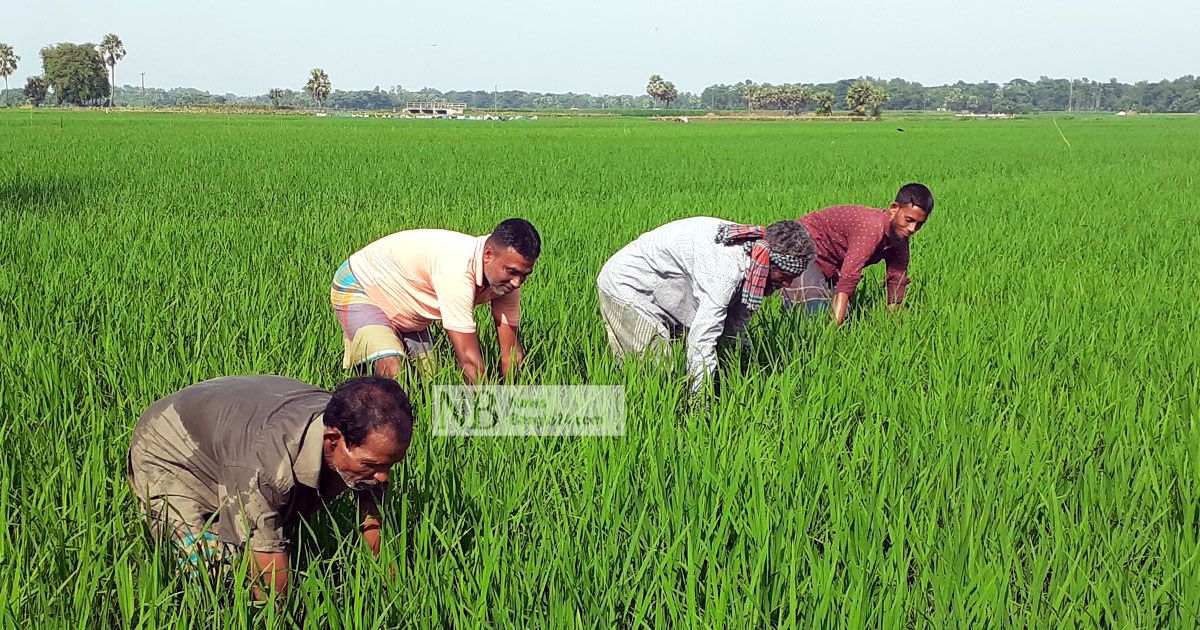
x=369, y=520
x=271, y=571
x=466, y=348
x=512, y=353
x=841, y=304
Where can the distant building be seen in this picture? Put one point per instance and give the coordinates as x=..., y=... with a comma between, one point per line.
x=432, y=108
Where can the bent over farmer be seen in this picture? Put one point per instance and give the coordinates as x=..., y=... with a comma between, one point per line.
x=703, y=277
x=222, y=467
x=388, y=294
x=849, y=238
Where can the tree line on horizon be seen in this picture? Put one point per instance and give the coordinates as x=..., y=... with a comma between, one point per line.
x=85, y=75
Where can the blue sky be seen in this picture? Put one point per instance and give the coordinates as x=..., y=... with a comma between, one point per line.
x=612, y=46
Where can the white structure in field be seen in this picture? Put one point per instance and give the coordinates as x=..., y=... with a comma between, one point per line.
x=432, y=108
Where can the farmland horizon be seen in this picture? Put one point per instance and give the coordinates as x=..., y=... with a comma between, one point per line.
x=225, y=47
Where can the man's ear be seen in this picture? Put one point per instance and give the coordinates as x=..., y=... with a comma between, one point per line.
x=332, y=435
x=488, y=253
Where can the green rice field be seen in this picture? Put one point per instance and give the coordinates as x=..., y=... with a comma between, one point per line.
x=1019, y=447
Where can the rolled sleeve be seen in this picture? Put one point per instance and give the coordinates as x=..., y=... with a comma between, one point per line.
x=506, y=309
x=251, y=510
x=456, y=301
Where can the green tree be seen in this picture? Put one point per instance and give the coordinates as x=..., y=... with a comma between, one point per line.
x=750, y=93
x=113, y=50
x=656, y=88
x=318, y=85
x=76, y=73
x=276, y=95
x=824, y=101
x=35, y=90
x=669, y=94
x=8, y=65
x=793, y=97
x=865, y=98
x=955, y=99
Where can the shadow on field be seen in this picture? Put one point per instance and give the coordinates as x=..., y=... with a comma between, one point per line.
x=62, y=192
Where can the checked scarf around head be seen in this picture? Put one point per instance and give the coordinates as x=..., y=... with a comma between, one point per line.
x=761, y=259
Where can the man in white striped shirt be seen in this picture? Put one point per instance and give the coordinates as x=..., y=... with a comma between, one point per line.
x=701, y=277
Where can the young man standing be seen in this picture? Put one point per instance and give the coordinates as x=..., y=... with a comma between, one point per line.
x=849, y=238
x=701, y=275
x=388, y=294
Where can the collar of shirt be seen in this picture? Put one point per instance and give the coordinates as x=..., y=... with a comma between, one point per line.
x=477, y=260
x=309, y=459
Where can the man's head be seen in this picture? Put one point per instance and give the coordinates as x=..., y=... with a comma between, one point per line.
x=368, y=426
x=913, y=205
x=792, y=250
x=509, y=255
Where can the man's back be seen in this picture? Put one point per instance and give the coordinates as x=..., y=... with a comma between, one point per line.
x=667, y=267
x=414, y=274
x=243, y=449
x=223, y=420
x=848, y=238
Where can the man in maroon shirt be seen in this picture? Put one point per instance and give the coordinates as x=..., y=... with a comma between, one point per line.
x=849, y=238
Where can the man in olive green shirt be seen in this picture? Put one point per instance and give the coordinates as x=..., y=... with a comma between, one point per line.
x=223, y=466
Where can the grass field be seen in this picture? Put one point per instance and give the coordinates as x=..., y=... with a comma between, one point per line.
x=1020, y=447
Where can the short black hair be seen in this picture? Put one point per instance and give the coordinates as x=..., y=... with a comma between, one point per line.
x=367, y=403
x=791, y=239
x=518, y=234
x=917, y=195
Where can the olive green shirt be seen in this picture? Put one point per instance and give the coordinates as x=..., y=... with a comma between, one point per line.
x=240, y=455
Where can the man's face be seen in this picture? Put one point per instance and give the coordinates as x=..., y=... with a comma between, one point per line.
x=777, y=279
x=906, y=220
x=504, y=269
x=366, y=465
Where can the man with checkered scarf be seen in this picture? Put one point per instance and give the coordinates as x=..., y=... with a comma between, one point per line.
x=702, y=278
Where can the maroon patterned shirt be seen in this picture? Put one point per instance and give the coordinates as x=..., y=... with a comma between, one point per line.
x=849, y=238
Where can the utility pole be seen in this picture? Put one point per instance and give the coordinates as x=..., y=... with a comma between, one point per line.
x=143, y=90
x=495, y=98
x=1071, y=96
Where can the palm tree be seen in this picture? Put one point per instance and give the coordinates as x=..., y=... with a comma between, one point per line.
x=865, y=98
x=113, y=51
x=8, y=65
x=750, y=93
x=318, y=85
x=275, y=95
x=654, y=88
x=824, y=101
x=668, y=93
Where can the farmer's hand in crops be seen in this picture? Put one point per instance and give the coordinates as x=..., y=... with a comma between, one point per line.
x=512, y=353
x=270, y=570
x=841, y=305
x=466, y=348
x=387, y=367
x=369, y=520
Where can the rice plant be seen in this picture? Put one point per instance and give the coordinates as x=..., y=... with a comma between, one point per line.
x=1018, y=447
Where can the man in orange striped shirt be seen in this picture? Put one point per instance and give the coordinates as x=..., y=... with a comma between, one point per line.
x=388, y=294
